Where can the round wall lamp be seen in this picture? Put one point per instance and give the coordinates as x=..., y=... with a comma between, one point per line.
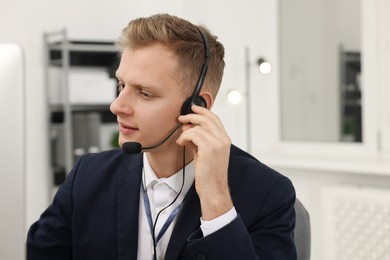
x=264, y=66
x=234, y=97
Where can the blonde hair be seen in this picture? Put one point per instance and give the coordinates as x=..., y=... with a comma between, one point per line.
x=185, y=41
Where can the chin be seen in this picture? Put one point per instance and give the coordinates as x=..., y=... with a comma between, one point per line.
x=121, y=141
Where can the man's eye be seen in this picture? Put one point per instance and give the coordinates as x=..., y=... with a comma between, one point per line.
x=120, y=87
x=146, y=95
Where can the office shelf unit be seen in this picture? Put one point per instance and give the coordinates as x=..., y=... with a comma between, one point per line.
x=62, y=56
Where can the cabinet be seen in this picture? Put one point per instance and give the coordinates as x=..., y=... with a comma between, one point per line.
x=80, y=85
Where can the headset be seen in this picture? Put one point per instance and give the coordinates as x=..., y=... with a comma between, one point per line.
x=195, y=98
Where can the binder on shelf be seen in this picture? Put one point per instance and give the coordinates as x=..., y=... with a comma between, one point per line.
x=86, y=133
x=80, y=135
x=94, y=122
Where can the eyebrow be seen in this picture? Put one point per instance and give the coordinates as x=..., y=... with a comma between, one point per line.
x=140, y=85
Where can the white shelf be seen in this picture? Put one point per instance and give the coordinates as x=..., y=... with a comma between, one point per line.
x=83, y=47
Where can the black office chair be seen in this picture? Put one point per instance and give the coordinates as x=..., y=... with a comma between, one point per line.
x=302, y=231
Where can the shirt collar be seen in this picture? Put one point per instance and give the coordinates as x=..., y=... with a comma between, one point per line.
x=174, y=182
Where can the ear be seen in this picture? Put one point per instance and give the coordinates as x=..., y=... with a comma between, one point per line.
x=208, y=97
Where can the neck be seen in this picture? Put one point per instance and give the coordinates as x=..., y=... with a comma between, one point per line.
x=167, y=163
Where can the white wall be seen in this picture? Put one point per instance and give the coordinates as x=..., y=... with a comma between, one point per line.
x=383, y=37
x=349, y=24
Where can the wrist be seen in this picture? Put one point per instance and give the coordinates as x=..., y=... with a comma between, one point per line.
x=214, y=206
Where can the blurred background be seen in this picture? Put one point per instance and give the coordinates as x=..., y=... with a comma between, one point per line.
x=317, y=111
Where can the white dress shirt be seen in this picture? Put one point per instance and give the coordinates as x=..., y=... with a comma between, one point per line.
x=161, y=192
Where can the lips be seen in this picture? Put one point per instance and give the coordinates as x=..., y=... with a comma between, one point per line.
x=127, y=129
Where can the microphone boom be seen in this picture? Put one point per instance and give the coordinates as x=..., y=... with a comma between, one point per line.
x=135, y=147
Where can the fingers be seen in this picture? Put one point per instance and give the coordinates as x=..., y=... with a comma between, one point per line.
x=204, y=118
x=203, y=129
x=198, y=136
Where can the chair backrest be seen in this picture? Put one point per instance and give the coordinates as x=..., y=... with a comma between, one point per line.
x=302, y=236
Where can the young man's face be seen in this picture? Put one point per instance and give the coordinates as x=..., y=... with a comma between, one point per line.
x=151, y=95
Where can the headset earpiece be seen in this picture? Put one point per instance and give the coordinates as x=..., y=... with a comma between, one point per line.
x=196, y=98
x=199, y=101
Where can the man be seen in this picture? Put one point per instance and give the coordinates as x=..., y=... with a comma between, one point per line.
x=191, y=194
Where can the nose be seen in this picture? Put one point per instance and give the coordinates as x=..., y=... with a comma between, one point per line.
x=121, y=105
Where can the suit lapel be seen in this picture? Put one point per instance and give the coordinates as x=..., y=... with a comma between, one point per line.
x=128, y=191
x=188, y=221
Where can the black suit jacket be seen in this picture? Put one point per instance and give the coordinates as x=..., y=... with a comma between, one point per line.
x=94, y=214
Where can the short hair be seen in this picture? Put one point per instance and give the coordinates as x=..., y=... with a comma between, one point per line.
x=185, y=41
